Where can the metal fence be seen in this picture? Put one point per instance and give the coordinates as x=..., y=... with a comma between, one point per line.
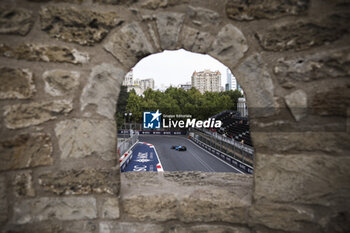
x=126, y=143
x=241, y=166
x=230, y=148
x=134, y=126
x=237, y=144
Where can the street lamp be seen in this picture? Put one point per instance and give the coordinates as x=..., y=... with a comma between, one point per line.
x=130, y=115
x=125, y=115
x=125, y=120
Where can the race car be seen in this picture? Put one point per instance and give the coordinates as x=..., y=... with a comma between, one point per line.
x=179, y=148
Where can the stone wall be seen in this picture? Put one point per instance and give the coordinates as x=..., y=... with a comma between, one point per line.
x=62, y=64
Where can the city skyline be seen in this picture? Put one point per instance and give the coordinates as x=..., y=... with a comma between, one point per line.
x=176, y=67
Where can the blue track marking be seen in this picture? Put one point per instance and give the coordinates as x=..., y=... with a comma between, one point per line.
x=144, y=158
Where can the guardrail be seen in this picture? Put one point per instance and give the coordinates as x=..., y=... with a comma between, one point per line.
x=125, y=159
x=146, y=132
x=234, y=162
x=163, y=132
x=237, y=144
x=124, y=146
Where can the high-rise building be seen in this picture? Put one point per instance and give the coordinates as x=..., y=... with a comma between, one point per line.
x=139, y=86
x=231, y=80
x=186, y=86
x=163, y=87
x=240, y=89
x=147, y=83
x=228, y=79
x=234, y=83
x=136, y=82
x=138, y=90
x=128, y=79
x=242, y=106
x=206, y=81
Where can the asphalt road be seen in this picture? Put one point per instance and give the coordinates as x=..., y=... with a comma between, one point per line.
x=194, y=159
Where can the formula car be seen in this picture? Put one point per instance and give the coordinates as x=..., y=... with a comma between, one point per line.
x=179, y=148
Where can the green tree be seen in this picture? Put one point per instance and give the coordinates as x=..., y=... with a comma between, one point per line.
x=179, y=101
x=134, y=106
x=121, y=105
x=234, y=95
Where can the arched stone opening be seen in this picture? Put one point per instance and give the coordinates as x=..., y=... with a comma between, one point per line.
x=164, y=203
x=57, y=172
x=178, y=103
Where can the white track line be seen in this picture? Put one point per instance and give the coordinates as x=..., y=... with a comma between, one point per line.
x=216, y=157
x=205, y=165
x=161, y=165
x=201, y=161
x=179, y=136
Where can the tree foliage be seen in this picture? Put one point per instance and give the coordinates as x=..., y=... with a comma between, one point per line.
x=177, y=101
x=121, y=106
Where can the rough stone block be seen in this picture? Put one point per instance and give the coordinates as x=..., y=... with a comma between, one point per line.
x=23, y=184
x=287, y=218
x=146, y=178
x=237, y=182
x=152, y=33
x=302, y=178
x=60, y=82
x=44, y=53
x=155, y=4
x=84, y=27
x=110, y=208
x=103, y=89
x=169, y=25
x=15, y=21
x=161, y=207
x=35, y=113
x=79, y=182
x=297, y=104
x=333, y=102
x=80, y=226
x=16, y=83
x=34, y=228
x=150, y=197
x=115, y=2
x=46, y=208
x=229, y=46
x=257, y=79
x=322, y=65
x=336, y=143
x=53, y=226
x=79, y=138
x=265, y=9
x=208, y=229
x=112, y=2
x=203, y=17
x=58, y=1
x=130, y=227
x=3, y=200
x=217, y=205
x=129, y=44
x=299, y=36
x=26, y=150
x=196, y=41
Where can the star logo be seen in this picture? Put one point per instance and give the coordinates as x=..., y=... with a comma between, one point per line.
x=156, y=115
x=151, y=120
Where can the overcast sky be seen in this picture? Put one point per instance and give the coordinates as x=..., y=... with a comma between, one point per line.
x=176, y=67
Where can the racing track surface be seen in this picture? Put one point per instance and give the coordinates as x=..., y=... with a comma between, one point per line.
x=194, y=159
